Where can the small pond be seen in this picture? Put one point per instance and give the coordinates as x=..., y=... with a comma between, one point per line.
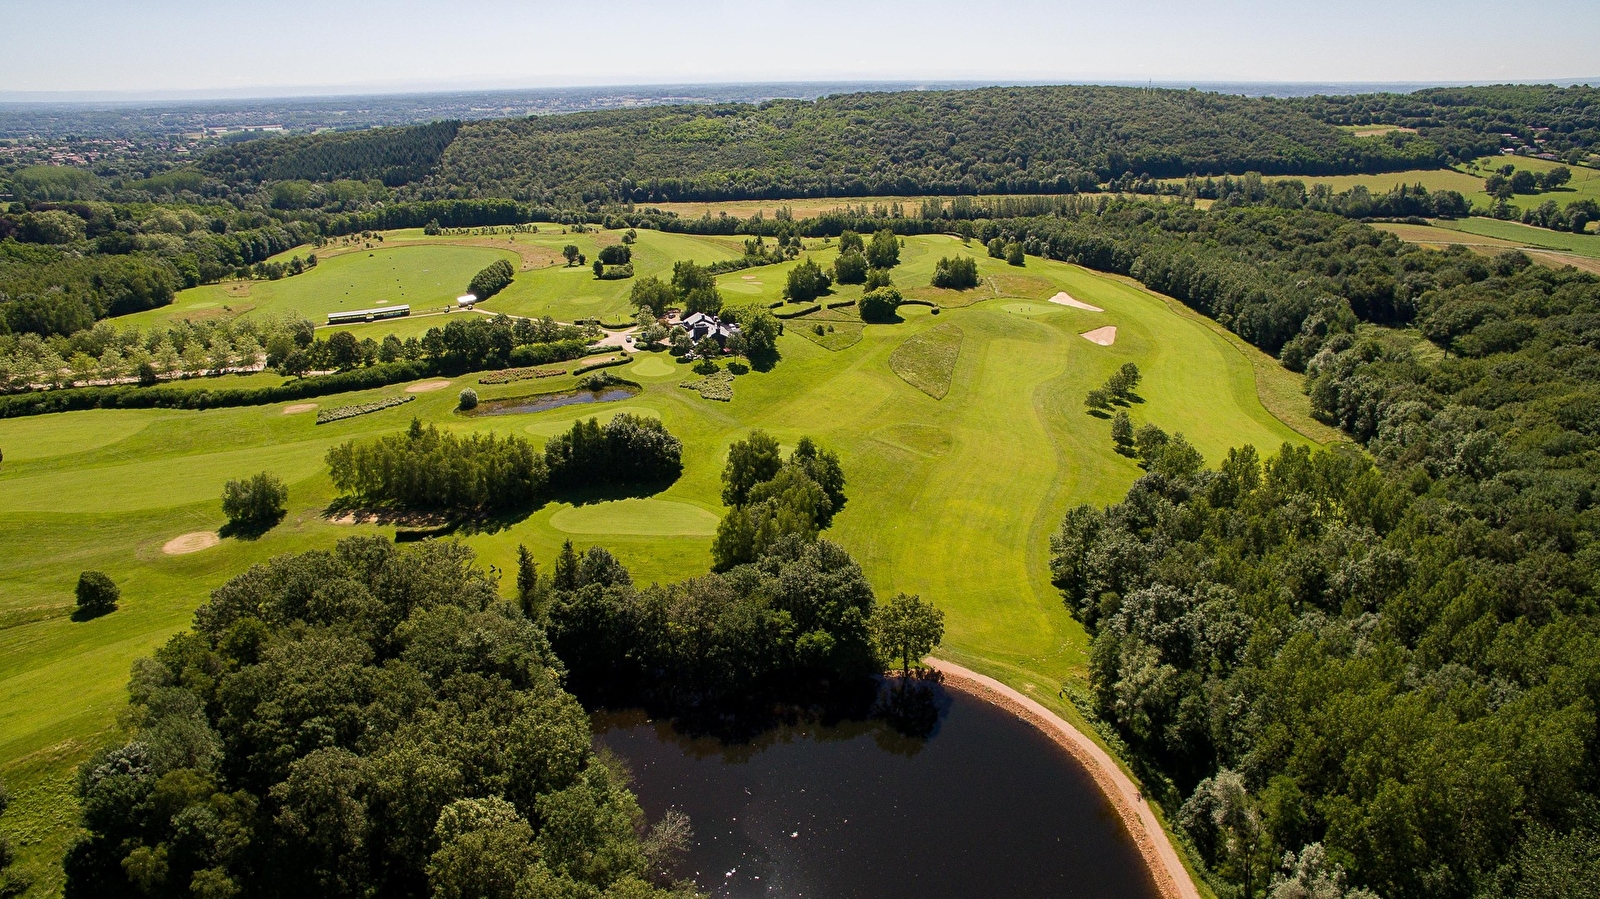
x=987, y=806
x=539, y=402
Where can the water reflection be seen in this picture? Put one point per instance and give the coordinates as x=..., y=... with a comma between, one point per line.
x=983, y=805
x=539, y=402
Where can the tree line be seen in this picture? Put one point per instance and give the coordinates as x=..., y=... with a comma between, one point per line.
x=425, y=469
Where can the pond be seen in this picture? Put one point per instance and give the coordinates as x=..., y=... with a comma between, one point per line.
x=539, y=402
x=987, y=806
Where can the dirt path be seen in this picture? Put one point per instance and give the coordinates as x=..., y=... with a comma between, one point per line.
x=1171, y=877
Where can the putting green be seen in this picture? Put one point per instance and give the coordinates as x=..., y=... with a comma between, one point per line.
x=653, y=367
x=636, y=518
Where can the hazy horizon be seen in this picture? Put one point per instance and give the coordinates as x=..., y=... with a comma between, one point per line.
x=182, y=49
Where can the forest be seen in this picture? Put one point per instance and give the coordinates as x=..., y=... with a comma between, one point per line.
x=1468, y=122
x=995, y=140
x=1390, y=658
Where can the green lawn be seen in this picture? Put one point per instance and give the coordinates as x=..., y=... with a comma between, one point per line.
x=953, y=499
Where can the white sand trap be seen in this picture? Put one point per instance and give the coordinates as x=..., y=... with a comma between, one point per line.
x=1065, y=299
x=298, y=408
x=747, y=277
x=1104, y=336
x=191, y=543
x=427, y=386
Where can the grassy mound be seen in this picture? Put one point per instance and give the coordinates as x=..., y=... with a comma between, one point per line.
x=928, y=360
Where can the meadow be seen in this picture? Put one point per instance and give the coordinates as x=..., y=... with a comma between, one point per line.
x=953, y=498
x=1490, y=237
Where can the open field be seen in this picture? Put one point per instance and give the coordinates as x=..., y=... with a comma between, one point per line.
x=1585, y=183
x=1488, y=236
x=425, y=277
x=930, y=511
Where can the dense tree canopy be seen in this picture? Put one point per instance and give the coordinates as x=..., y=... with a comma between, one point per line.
x=362, y=722
x=994, y=140
x=1390, y=658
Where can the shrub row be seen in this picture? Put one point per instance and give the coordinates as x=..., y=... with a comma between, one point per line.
x=328, y=416
x=840, y=304
x=507, y=375
x=129, y=396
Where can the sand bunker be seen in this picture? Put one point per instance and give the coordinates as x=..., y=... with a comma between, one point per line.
x=427, y=386
x=1104, y=336
x=298, y=408
x=191, y=543
x=1065, y=299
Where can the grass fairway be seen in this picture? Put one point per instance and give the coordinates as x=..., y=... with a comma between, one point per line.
x=953, y=499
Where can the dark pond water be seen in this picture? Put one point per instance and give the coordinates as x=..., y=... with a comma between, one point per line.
x=542, y=401
x=986, y=807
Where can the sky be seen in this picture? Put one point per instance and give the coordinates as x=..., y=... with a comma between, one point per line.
x=289, y=46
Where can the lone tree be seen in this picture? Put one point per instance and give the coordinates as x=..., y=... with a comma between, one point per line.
x=907, y=628
x=1122, y=433
x=255, y=502
x=97, y=594
x=468, y=399
x=570, y=251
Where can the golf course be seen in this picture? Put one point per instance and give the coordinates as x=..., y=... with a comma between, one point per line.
x=961, y=429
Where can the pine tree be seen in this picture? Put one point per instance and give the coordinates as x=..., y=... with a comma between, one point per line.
x=566, y=573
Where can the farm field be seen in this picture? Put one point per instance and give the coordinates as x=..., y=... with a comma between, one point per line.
x=929, y=510
x=1490, y=236
x=1585, y=183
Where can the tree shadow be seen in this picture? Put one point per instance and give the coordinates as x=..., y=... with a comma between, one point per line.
x=82, y=614
x=1099, y=413
x=249, y=530
x=764, y=361
x=591, y=494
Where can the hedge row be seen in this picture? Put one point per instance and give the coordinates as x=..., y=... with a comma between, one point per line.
x=796, y=314
x=536, y=354
x=841, y=303
x=129, y=396
x=328, y=416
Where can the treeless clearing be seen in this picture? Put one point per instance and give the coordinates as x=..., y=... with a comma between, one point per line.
x=298, y=408
x=427, y=386
x=191, y=543
x=1065, y=299
x=1104, y=336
